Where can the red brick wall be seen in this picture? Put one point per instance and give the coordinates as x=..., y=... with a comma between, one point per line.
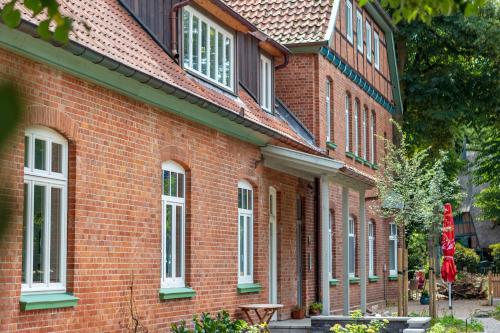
x=116, y=149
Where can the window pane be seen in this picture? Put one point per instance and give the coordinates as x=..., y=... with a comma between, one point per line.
x=40, y=154
x=179, y=241
x=38, y=233
x=352, y=255
x=25, y=230
x=173, y=184
x=240, y=198
x=245, y=196
x=228, y=61
x=204, y=51
x=185, y=27
x=392, y=255
x=180, y=185
x=212, y=49
x=27, y=150
x=166, y=182
x=220, y=57
x=242, y=245
x=196, y=44
x=55, y=233
x=168, y=241
x=249, y=245
x=250, y=199
x=57, y=157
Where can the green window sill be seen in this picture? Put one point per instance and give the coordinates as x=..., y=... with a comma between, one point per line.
x=354, y=280
x=47, y=301
x=359, y=159
x=392, y=278
x=176, y=293
x=349, y=154
x=245, y=288
x=331, y=145
x=367, y=163
x=334, y=282
x=373, y=278
x=374, y=166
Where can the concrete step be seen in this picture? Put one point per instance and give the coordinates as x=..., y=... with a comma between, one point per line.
x=413, y=330
x=289, y=330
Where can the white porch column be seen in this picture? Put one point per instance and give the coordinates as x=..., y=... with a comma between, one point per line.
x=345, y=246
x=325, y=251
x=362, y=249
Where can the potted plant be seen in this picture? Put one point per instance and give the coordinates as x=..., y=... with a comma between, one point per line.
x=315, y=309
x=424, y=298
x=298, y=312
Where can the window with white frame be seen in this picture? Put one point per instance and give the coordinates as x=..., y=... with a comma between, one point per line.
x=173, y=225
x=330, y=245
x=371, y=248
x=359, y=31
x=245, y=232
x=208, y=48
x=393, y=249
x=376, y=48
x=266, y=88
x=368, y=41
x=348, y=20
x=352, y=247
x=372, y=137
x=363, y=133
x=45, y=211
x=347, y=107
x=328, y=111
x=355, y=127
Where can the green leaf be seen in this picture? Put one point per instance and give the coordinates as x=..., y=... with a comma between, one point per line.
x=61, y=34
x=363, y=2
x=10, y=15
x=43, y=29
x=34, y=5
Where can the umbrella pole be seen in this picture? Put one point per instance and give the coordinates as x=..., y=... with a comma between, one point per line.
x=449, y=296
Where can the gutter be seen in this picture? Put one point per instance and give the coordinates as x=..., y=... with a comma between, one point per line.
x=173, y=26
x=168, y=88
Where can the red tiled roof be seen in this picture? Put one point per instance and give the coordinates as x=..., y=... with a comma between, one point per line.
x=117, y=35
x=287, y=21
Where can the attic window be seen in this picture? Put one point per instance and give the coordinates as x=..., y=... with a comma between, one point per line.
x=208, y=49
x=265, y=83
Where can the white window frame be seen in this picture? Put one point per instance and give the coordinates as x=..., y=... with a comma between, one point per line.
x=266, y=82
x=328, y=111
x=330, y=246
x=356, y=127
x=393, y=236
x=359, y=31
x=376, y=53
x=363, y=133
x=174, y=201
x=226, y=34
x=347, y=125
x=368, y=42
x=372, y=137
x=348, y=14
x=247, y=214
x=352, y=236
x=49, y=180
x=371, y=248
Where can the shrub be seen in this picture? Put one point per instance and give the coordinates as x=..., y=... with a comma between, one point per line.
x=495, y=253
x=374, y=326
x=466, y=258
x=222, y=323
x=450, y=324
x=316, y=307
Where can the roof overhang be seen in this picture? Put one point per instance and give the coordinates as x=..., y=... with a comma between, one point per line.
x=307, y=166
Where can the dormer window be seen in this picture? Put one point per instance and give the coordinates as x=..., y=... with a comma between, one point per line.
x=266, y=83
x=208, y=48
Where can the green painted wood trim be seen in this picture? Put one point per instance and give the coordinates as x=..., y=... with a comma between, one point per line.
x=334, y=282
x=349, y=154
x=245, y=288
x=354, y=280
x=359, y=159
x=367, y=163
x=374, y=166
x=373, y=278
x=392, y=278
x=331, y=145
x=176, y=293
x=47, y=301
x=41, y=51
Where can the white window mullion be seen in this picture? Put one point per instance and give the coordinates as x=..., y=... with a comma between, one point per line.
x=29, y=238
x=224, y=66
x=190, y=40
x=46, y=241
x=174, y=242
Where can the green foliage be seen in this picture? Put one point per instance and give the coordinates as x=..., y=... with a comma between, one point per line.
x=496, y=312
x=488, y=200
x=486, y=142
x=417, y=245
x=222, y=323
x=374, y=326
x=495, y=253
x=466, y=258
x=448, y=323
x=11, y=16
x=316, y=306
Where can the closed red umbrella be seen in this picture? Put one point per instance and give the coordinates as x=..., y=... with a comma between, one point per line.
x=448, y=269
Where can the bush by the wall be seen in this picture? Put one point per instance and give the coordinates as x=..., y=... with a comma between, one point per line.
x=466, y=258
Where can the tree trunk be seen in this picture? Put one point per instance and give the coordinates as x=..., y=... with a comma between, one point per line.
x=400, y=256
x=432, y=280
x=405, y=280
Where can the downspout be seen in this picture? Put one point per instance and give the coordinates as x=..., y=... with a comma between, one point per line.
x=173, y=26
x=284, y=64
x=317, y=236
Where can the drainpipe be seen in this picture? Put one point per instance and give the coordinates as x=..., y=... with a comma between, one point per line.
x=173, y=25
x=284, y=64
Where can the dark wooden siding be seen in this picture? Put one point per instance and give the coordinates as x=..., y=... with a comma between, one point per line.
x=249, y=63
x=155, y=16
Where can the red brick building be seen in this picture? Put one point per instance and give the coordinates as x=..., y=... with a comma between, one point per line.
x=167, y=148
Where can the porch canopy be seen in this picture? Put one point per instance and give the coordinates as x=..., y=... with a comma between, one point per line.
x=308, y=166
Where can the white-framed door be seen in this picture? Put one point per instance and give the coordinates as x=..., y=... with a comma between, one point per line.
x=300, y=265
x=273, y=263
